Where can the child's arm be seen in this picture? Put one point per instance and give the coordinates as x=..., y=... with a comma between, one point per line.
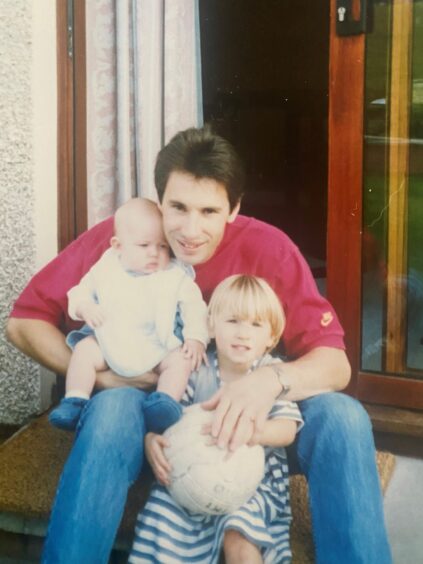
x=195, y=351
x=283, y=424
x=279, y=429
x=90, y=312
x=154, y=445
x=193, y=312
x=278, y=433
x=82, y=304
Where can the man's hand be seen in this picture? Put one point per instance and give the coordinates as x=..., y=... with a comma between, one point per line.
x=154, y=445
x=91, y=313
x=242, y=408
x=249, y=399
x=196, y=351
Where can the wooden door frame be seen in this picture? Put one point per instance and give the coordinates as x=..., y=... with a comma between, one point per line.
x=345, y=206
x=345, y=176
x=71, y=120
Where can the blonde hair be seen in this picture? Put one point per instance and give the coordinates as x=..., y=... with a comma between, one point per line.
x=248, y=297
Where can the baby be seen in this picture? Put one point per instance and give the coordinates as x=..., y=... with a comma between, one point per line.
x=129, y=301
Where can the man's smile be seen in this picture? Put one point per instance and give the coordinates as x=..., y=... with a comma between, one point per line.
x=189, y=247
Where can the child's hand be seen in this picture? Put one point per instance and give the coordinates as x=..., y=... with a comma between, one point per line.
x=196, y=351
x=91, y=313
x=154, y=445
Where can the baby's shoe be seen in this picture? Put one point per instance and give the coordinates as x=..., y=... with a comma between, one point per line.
x=67, y=413
x=160, y=412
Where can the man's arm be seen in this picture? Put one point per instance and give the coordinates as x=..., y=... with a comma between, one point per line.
x=46, y=344
x=323, y=369
x=41, y=341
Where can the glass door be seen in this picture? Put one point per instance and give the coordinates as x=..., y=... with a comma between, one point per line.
x=375, y=216
x=392, y=275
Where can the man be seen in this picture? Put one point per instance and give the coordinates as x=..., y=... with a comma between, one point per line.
x=199, y=180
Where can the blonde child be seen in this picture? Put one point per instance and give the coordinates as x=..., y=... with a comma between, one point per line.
x=246, y=321
x=129, y=300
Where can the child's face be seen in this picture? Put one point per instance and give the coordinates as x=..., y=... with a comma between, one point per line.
x=241, y=341
x=142, y=246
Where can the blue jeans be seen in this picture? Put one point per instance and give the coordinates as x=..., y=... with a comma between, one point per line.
x=105, y=460
x=335, y=451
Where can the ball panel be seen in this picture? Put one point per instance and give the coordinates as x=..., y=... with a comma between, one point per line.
x=203, y=478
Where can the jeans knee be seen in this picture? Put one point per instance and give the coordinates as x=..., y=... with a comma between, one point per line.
x=113, y=414
x=335, y=412
x=111, y=430
x=336, y=428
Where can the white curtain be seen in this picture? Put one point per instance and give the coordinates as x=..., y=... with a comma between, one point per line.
x=143, y=85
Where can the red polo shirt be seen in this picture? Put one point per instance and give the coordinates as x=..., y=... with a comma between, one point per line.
x=249, y=246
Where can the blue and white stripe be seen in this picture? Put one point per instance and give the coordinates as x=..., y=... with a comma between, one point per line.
x=167, y=534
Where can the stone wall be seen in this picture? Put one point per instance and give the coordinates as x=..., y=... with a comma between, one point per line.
x=19, y=377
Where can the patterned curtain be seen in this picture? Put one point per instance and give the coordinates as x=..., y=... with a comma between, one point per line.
x=143, y=85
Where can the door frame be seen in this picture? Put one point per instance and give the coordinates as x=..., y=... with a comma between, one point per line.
x=71, y=121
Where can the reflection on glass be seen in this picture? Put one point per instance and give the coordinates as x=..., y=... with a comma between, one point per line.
x=415, y=199
x=375, y=189
x=392, y=280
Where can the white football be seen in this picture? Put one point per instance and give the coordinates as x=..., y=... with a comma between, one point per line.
x=203, y=479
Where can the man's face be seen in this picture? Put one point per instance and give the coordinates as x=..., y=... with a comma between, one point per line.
x=195, y=214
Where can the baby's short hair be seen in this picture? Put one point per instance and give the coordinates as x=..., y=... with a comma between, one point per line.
x=134, y=209
x=248, y=297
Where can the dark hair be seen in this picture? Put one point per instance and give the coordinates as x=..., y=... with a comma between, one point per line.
x=203, y=154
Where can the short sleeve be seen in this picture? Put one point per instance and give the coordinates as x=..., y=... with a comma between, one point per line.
x=193, y=311
x=311, y=321
x=45, y=296
x=287, y=410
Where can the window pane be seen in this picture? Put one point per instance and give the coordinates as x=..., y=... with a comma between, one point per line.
x=392, y=282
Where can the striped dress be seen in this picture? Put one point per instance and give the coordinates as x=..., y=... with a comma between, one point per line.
x=165, y=533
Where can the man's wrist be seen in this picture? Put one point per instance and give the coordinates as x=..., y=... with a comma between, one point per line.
x=284, y=385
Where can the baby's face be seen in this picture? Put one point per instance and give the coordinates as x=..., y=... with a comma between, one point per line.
x=142, y=245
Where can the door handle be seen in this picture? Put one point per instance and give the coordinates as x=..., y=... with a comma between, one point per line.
x=346, y=24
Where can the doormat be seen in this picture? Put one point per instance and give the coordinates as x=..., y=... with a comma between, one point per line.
x=31, y=462
x=301, y=536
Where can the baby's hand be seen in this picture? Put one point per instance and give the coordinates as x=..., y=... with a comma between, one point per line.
x=154, y=445
x=92, y=314
x=196, y=351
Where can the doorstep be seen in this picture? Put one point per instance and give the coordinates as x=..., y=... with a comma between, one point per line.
x=387, y=419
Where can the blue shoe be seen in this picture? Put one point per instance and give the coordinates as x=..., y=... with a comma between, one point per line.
x=160, y=412
x=67, y=413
